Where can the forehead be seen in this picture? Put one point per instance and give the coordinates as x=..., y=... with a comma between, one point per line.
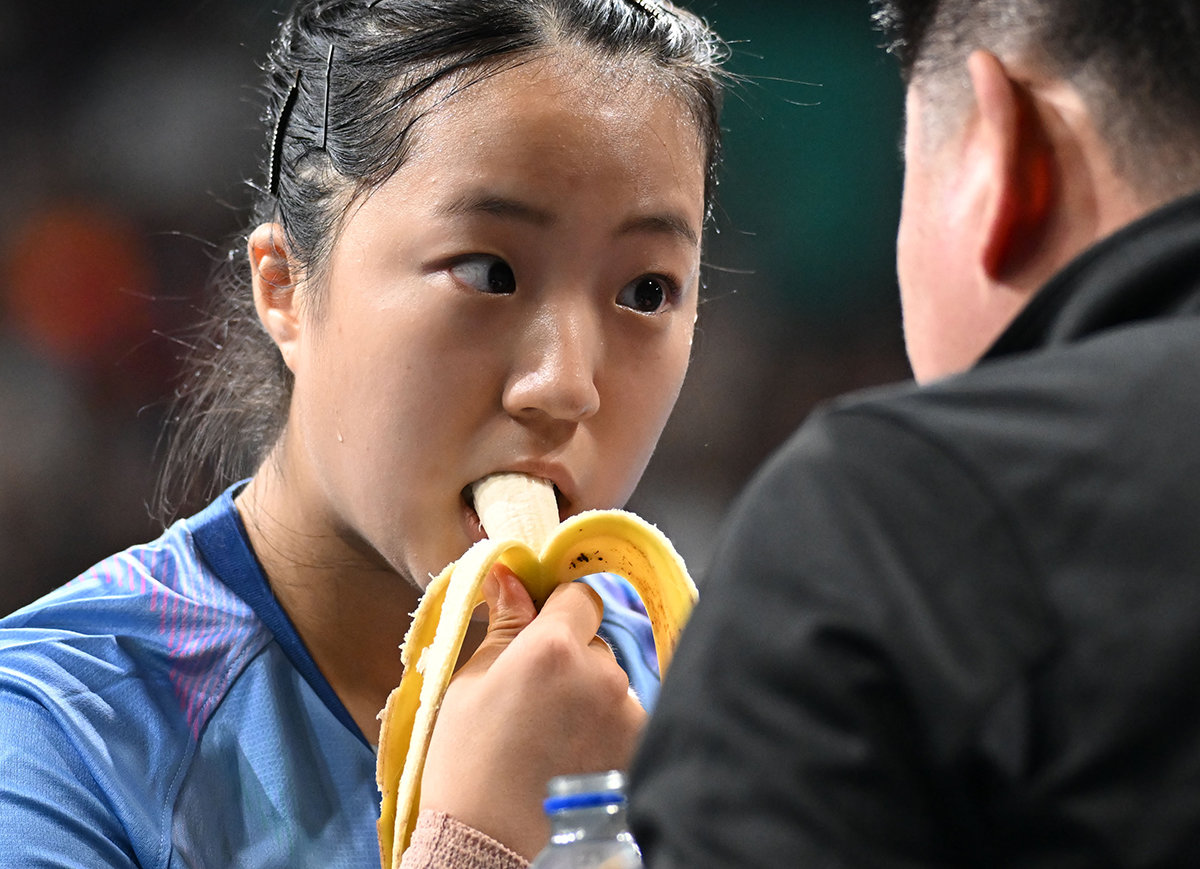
x=590, y=83
x=552, y=103
x=586, y=148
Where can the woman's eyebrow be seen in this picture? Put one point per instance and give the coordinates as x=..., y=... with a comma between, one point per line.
x=666, y=223
x=496, y=205
x=482, y=202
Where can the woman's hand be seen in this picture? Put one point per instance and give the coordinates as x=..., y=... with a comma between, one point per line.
x=542, y=696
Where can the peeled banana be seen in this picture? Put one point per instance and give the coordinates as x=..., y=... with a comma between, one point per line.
x=520, y=515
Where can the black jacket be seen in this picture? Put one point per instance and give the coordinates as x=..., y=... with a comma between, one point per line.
x=959, y=625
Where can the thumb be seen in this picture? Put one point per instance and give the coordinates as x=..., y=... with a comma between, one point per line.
x=510, y=608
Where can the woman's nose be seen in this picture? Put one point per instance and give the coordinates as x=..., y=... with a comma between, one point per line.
x=555, y=366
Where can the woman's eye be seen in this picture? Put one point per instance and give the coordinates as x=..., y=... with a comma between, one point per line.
x=487, y=274
x=647, y=295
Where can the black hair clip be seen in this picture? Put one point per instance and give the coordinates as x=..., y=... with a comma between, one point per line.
x=281, y=122
x=328, y=84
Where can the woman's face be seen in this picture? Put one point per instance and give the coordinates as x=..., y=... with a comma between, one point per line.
x=520, y=295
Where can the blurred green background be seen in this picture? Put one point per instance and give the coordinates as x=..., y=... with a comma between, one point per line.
x=812, y=185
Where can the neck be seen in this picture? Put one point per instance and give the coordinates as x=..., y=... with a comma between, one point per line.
x=350, y=611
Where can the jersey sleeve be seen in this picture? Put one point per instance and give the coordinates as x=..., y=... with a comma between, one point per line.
x=52, y=812
x=825, y=694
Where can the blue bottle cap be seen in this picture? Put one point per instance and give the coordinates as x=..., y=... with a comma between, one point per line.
x=583, y=801
x=587, y=790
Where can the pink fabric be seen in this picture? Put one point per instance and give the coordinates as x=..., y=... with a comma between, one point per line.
x=441, y=842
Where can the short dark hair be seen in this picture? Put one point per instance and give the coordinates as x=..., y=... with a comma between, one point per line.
x=344, y=91
x=1136, y=63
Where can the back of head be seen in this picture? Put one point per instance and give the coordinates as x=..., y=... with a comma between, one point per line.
x=1135, y=63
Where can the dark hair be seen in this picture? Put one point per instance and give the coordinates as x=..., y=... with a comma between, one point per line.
x=1136, y=63
x=344, y=89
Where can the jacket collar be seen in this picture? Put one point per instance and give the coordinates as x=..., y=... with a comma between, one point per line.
x=1149, y=269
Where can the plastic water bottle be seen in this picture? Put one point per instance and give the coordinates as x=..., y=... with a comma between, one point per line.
x=588, y=829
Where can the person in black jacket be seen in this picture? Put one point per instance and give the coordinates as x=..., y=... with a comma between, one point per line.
x=958, y=623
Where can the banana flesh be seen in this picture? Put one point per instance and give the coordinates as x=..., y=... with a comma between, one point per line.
x=520, y=515
x=517, y=507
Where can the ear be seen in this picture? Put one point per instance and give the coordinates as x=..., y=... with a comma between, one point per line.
x=275, y=289
x=1017, y=159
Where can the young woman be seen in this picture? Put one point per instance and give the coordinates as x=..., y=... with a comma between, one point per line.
x=476, y=249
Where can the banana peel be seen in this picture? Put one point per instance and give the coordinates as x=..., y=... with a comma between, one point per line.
x=521, y=517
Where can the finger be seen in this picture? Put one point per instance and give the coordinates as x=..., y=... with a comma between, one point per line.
x=578, y=606
x=509, y=603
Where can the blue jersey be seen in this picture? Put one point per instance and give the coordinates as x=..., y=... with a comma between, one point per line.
x=161, y=711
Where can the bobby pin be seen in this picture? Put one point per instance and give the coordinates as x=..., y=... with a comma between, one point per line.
x=328, y=84
x=285, y=112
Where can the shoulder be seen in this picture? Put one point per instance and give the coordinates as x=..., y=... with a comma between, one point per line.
x=138, y=649
x=1010, y=436
x=880, y=530
x=151, y=608
x=107, y=683
x=881, y=464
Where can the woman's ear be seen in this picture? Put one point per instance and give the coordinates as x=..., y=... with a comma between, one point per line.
x=275, y=288
x=1018, y=163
